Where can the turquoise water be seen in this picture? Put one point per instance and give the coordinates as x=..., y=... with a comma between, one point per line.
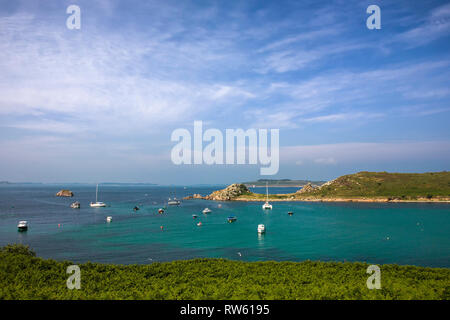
x=403, y=233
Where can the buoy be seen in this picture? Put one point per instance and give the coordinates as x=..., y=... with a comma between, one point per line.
x=59, y=225
x=162, y=227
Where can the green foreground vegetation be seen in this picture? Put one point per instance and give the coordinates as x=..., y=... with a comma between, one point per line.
x=25, y=276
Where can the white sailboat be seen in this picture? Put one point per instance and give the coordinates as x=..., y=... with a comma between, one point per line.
x=97, y=204
x=174, y=201
x=267, y=205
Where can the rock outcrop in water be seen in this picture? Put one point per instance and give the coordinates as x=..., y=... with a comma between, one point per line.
x=194, y=196
x=229, y=193
x=64, y=193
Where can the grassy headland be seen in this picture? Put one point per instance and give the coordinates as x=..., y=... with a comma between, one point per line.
x=24, y=276
x=362, y=186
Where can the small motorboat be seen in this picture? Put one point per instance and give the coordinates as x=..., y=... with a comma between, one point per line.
x=160, y=210
x=194, y=216
x=108, y=219
x=290, y=213
x=22, y=226
x=199, y=224
x=231, y=219
x=75, y=205
x=136, y=208
x=206, y=210
x=261, y=228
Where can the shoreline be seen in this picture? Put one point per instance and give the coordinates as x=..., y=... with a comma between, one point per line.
x=381, y=200
x=340, y=200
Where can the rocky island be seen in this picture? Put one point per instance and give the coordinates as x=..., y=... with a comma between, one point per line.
x=64, y=193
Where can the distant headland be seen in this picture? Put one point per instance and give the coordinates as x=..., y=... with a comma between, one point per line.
x=359, y=187
x=282, y=183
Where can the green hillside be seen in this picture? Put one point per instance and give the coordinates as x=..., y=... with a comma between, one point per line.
x=24, y=276
x=382, y=184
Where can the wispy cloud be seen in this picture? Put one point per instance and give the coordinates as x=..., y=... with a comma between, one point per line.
x=436, y=25
x=129, y=77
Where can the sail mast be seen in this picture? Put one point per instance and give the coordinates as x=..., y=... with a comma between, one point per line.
x=96, y=193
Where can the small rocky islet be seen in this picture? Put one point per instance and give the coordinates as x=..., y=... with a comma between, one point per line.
x=64, y=193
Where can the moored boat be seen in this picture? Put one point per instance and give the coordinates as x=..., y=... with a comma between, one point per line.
x=22, y=226
x=75, y=205
x=231, y=219
x=290, y=213
x=160, y=210
x=97, y=204
x=261, y=228
x=108, y=219
x=173, y=202
x=206, y=210
x=267, y=205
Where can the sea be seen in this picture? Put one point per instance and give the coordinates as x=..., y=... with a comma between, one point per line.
x=377, y=233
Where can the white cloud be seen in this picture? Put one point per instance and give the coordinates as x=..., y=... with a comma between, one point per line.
x=108, y=80
x=344, y=117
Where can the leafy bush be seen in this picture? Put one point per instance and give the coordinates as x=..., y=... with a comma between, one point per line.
x=24, y=276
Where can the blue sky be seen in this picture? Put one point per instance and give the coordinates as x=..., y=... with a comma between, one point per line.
x=100, y=103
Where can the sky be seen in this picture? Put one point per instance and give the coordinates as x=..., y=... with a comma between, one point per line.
x=99, y=104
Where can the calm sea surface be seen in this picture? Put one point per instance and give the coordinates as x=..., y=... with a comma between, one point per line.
x=403, y=233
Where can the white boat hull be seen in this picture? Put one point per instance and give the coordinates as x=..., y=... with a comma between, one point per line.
x=267, y=206
x=261, y=228
x=22, y=226
x=98, y=205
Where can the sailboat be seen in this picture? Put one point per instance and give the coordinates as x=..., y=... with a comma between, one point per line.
x=97, y=204
x=174, y=201
x=267, y=205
